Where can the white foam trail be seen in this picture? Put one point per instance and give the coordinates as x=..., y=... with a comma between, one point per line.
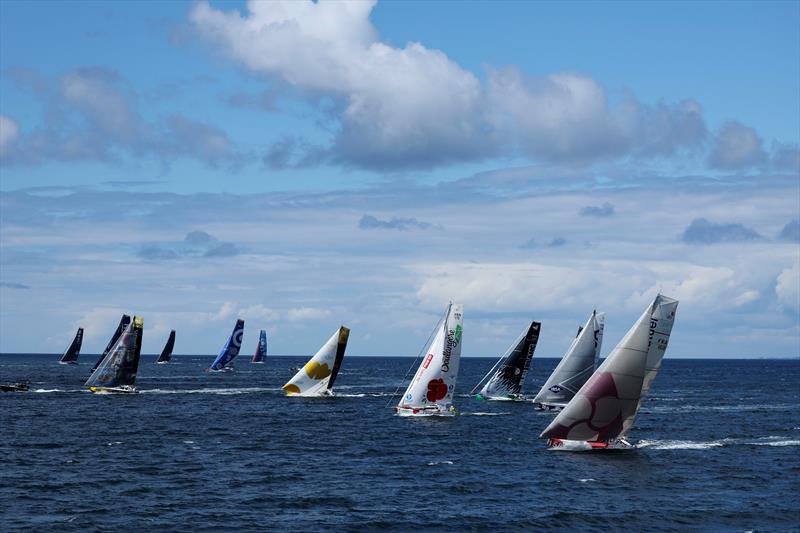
x=434, y=463
x=224, y=392
x=586, y=480
x=779, y=443
x=483, y=414
x=680, y=444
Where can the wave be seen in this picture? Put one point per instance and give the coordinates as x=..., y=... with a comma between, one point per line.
x=739, y=407
x=224, y=392
x=434, y=463
x=681, y=444
x=483, y=414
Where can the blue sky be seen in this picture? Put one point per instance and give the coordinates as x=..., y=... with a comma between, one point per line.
x=304, y=165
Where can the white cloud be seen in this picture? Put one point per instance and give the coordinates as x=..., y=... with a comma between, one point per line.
x=9, y=131
x=787, y=287
x=736, y=146
x=299, y=314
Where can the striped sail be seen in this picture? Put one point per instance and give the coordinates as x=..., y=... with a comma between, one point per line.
x=433, y=385
x=74, y=350
x=605, y=407
x=166, y=353
x=317, y=377
x=576, y=366
x=231, y=349
x=506, y=381
x=123, y=323
x=261, y=348
x=118, y=368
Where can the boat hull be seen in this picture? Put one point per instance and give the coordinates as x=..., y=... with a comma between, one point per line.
x=509, y=398
x=67, y=362
x=547, y=406
x=424, y=411
x=113, y=390
x=586, y=446
x=16, y=387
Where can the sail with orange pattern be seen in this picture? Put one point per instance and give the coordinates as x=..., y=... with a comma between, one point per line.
x=317, y=377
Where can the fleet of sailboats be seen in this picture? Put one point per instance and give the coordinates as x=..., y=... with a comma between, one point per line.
x=72, y=352
x=318, y=375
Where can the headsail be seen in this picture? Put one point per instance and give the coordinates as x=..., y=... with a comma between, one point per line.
x=261, y=348
x=118, y=369
x=576, y=366
x=231, y=348
x=123, y=323
x=431, y=390
x=605, y=407
x=73, y=351
x=506, y=381
x=316, y=378
x=166, y=353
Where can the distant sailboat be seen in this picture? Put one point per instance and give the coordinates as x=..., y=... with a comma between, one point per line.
x=224, y=361
x=123, y=323
x=117, y=370
x=70, y=356
x=261, y=348
x=504, y=380
x=316, y=378
x=603, y=410
x=430, y=393
x=575, y=368
x=166, y=353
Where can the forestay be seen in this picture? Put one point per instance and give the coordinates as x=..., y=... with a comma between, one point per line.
x=119, y=367
x=605, y=407
x=231, y=349
x=506, y=381
x=318, y=375
x=577, y=365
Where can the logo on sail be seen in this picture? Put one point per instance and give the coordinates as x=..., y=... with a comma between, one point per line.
x=556, y=389
x=437, y=390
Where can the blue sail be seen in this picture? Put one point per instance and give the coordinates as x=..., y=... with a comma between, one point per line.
x=231, y=348
x=261, y=349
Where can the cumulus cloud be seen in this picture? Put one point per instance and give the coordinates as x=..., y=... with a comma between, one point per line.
x=196, y=243
x=9, y=131
x=415, y=107
x=787, y=287
x=702, y=231
x=198, y=237
x=605, y=210
x=736, y=146
x=401, y=224
x=791, y=231
x=226, y=249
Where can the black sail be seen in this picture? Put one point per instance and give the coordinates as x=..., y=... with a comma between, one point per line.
x=123, y=323
x=510, y=374
x=166, y=353
x=74, y=350
x=119, y=367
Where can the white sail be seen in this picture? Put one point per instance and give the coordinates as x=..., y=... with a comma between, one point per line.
x=431, y=390
x=316, y=378
x=605, y=407
x=576, y=367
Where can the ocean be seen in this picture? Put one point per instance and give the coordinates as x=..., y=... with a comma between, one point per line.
x=718, y=450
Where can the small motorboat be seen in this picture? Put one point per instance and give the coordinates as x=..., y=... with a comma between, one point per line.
x=19, y=386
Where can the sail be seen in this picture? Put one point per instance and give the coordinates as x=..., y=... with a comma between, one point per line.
x=166, y=353
x=74, y=350
x=119, y=367
x=123, y=323
x=513, y=366
x=261, y=348
x=316, y=378
x=435, y=381
x=605, y=407
x=576, y=366
x=231, y=348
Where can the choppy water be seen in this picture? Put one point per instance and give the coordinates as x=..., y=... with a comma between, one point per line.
x=718, y=451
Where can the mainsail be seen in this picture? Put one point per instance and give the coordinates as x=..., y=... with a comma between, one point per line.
x=123, y=323
x=576, y=366
x=231, y=349
x=261, y=348
x=316, y=378
x=506, y=381
x=117, y=370
x=431, y=390
x=606, y=406
x=73, y=351
x=166, y=353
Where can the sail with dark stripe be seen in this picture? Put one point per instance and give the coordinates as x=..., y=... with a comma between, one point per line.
x=224, y=360
x=261, y=348
x=70, y=356
x=123, y=323
x=166, y=353
x=506, y=377
x=117, y=371
x=317, y=377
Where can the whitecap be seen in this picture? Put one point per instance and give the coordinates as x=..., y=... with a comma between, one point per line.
x=434, y=463
x=483, y=414
x=679, y=444
x=586, y=480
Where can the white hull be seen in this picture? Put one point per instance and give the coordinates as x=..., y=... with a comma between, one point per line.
x=548, y=406
x=162, y=362
x=420, y=411
x=113, y=390
x=511, y=398
x=67, y=362
x=565, y=445
x=324, y=394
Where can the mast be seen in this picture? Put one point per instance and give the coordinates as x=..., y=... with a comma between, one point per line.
x=318, y=375
x=166, y=353
x=123, y=323
x=73, y=350
x=231, y=348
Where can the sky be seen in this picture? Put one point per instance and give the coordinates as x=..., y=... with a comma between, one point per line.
x=304, y=165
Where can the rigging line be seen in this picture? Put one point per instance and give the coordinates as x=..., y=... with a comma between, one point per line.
x=414, y=363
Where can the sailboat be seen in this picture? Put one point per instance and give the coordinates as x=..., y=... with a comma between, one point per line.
x=316, y=378
x=224, y=361
x=603, y=410
x=504, y=380
x=70, y=356
x=123, y=323
x=117, y=370
x=430, y=392
x=261, y=348
x=166, y=353
x=575, y=368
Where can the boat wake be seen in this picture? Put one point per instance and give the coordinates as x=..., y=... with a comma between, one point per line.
x=681, y=444
x=484, y=414
x=224, y=392
x=434, y=463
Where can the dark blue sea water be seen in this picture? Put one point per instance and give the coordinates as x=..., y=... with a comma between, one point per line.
x=718, y=450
